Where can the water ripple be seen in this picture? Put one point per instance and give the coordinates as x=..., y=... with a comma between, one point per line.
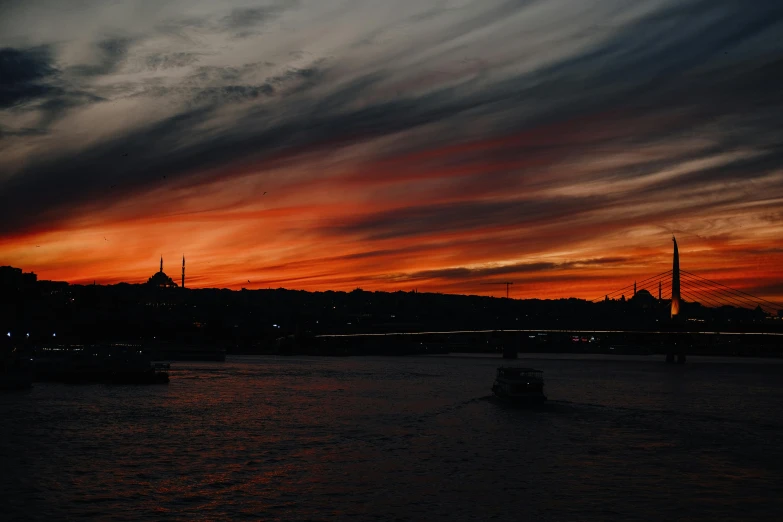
x=398, y=439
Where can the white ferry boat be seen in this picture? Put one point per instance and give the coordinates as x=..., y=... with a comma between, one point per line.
x=519, y=385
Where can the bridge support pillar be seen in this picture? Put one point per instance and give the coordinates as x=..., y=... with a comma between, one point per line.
x=675, y=357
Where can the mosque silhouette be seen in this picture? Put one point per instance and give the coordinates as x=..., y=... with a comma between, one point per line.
x=161, y=280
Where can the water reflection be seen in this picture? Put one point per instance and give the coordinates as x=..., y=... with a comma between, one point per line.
x=299, y=438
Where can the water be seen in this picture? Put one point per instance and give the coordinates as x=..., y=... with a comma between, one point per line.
x=300, y=438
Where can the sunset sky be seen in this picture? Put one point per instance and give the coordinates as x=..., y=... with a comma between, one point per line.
x=393, y=145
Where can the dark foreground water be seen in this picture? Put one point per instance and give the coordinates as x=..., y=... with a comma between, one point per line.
x=265, y=438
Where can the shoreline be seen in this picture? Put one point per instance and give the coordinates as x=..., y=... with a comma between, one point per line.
x=655, y=358
x=723, y=359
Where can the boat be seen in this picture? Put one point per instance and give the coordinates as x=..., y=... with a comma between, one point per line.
x=519, y=385
x=97, y=365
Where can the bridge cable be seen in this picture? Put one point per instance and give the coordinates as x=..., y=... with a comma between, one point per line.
x=776, y=305
x=629, y=286
x=722, y=301
x=720, y=291
x=706, y=295
x=699, y=300
x=712, y=287
x=665, y=281
x=729, y=298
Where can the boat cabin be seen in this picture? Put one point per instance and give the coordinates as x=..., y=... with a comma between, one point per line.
x=519, y=384
x=522, y=374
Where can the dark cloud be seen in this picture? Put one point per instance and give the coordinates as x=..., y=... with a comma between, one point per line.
x=463, y=274
x=240, y=22
x=249, y=17
x=31, y=77
x=6, y=132
x=171, y=61
x=426, y=219
x=671, y=63
x=212, y=73
x=773, y=217
x=232, y=93
x=771, y=288
x=56, y=107
x=599, y=261
x=25, y=75
x=652, y=60
x=307, y=73
x=244, y=21
x=655, y=50
x=737, y=175
x=180, y=28
x=82, y=178
x=112, y=52
x=216, y=86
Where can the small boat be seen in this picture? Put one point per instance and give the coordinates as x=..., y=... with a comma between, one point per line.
x=519, y=385
x=98, y=365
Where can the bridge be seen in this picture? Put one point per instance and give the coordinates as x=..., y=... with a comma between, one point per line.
x=684, y=293
x=681, y=288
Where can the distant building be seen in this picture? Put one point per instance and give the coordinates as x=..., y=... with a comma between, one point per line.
x=160, y=279
x=644, y=299
x=11, y=277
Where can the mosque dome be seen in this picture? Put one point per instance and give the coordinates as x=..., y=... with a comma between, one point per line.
x=644, y=299
x=160, y=279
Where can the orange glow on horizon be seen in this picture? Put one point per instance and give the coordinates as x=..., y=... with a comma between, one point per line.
x=449, y=221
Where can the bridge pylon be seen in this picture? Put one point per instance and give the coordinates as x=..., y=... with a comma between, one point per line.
x=676, y=351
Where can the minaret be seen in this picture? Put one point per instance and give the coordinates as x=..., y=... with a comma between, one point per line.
x=161, y=263
x=183, y=270
x=634, y=288
x=675, y=281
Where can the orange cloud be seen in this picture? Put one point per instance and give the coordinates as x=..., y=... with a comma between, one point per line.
x=443, y=219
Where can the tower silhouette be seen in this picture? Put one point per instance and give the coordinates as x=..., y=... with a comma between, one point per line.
x=675, y=281
x=183, y=270
x=161, y=264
